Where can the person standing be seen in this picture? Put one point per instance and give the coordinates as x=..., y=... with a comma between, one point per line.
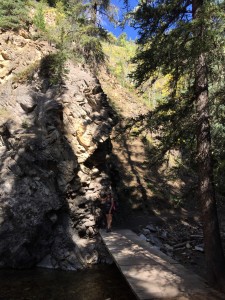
x=107, y=202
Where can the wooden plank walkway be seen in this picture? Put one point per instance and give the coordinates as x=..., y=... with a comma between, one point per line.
x=150, y=273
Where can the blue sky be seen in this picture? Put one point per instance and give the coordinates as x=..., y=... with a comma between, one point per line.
x=131, y=33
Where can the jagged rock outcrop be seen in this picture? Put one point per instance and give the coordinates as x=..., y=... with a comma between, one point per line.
x=18, y=53
x=55, y=142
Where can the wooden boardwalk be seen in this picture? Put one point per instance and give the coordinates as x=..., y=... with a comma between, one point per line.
x=152, y=274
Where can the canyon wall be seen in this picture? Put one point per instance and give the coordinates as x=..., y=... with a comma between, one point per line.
x=54, y=149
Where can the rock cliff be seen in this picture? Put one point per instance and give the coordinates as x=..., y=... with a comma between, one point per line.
x=54, y=149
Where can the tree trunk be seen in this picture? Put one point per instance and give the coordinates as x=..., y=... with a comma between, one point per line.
x=94, y=10
x=214, y=255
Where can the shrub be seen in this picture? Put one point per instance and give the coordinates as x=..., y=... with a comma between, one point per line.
x=53, y=67
x=13, y=14
x=39, y=17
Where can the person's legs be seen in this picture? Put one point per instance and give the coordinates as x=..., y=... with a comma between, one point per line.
x=109, y=221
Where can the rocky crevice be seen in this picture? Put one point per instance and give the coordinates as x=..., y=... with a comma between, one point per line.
x=55, y=144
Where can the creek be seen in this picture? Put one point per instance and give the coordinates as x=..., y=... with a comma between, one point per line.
x=100, y=282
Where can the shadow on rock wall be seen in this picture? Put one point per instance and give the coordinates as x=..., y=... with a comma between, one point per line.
x=35, y=172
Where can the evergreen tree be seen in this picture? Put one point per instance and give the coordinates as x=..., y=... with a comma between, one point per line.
x=39, y=17
x=99, y=8
x=186, y=40
x=86, y=34
x=13, y=14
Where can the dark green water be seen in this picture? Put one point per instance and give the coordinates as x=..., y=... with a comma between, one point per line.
x=97, y=283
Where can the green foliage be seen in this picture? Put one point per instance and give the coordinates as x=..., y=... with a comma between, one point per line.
x=169, y=45
x=39, y=17
x=122, y=39
x=13, y=14
x=119, y=64
x=53, y=65
x=112, y=38
x=98, y=8
x=79, y=22
x=55, y=31
x=118, y=60
x=81, y=37
x=85, y=36
x=168, y=39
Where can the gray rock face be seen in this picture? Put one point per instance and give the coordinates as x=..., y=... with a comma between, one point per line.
x=53, y=151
